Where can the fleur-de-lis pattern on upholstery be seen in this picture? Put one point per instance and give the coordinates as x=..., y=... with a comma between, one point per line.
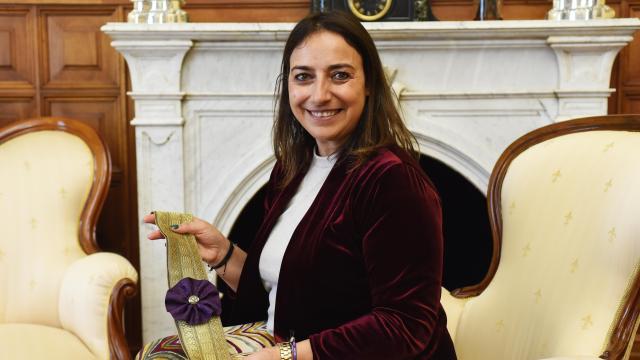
x=567, y=278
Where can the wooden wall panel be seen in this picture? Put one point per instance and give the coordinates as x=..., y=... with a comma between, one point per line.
x=627, y=82
x=457, y=10
x=454, y=9
x=525, y=11
x=631, y=102
x=206, y=14
x=76, y=53
x=246, y=10
x=17, y=65
x=12, y=108
x=632, y=54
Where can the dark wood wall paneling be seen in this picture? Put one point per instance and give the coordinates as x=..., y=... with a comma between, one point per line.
x=246, y=10
x=55, y=61
x=628, y=84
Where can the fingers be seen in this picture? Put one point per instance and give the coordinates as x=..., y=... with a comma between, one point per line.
x=194, y=227
x=149, y=218
x=155, y=235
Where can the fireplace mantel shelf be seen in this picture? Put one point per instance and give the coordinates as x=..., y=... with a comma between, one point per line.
x=442, y=30
x=203, y=96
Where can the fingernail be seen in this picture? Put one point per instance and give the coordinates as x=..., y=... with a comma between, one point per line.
x=174, y=226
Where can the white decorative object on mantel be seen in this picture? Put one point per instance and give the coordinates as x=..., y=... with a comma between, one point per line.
x=204, y=100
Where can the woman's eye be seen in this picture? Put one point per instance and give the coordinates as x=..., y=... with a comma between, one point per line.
x=341, y=76
x=302, y=77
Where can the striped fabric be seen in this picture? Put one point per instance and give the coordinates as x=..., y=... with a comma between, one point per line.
x=241, y=339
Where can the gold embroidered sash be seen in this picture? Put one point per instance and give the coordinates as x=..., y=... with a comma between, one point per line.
x=204, y=341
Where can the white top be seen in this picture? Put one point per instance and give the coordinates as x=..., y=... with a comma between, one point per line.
x=273, y=251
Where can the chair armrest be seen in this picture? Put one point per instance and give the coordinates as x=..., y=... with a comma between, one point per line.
x=453, y=307
x=86, y=297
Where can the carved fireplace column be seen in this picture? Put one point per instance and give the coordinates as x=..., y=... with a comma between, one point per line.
x=155, y=68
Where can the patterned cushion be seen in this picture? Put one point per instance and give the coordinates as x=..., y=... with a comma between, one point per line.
x=242, y=339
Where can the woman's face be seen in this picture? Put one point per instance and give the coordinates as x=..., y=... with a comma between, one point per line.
x=327, y=89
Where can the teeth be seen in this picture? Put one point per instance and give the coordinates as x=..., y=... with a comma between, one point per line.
x=323, y=113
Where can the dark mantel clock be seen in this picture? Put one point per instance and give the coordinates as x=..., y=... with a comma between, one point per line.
x=379, y=10
x=369, y=10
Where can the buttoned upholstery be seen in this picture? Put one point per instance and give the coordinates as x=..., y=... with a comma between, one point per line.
x=565, y=212
x=59, y=297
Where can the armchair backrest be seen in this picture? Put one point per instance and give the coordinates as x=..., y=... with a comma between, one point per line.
x=54, y=177
x=564, y=203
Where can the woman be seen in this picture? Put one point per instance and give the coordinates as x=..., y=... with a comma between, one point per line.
x=349, y=256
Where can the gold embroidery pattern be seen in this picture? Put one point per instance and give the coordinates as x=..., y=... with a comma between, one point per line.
x=608, y=185
x=608, y=147
x=204, y=341
x=612, y=234
x=568, y=217
x=512, y=207
x=538, y=296
x=499, y=326
x=555, y=176
x=63, y=193
x=526, y=250
x=34, y=223
x=587, y=322
x=574, y=266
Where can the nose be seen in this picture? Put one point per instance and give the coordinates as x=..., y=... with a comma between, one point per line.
x=321, y=92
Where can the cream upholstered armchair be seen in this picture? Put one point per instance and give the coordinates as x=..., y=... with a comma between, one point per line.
x=564, y=205
x=59, y=297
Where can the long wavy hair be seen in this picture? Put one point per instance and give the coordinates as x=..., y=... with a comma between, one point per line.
x=380, y=124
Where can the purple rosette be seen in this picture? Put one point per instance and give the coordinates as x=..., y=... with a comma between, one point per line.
x=193, y=301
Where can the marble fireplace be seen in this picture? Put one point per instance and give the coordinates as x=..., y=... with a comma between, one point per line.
x=203, y=98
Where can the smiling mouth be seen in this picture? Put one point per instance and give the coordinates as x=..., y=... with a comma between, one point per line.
x=323, y=114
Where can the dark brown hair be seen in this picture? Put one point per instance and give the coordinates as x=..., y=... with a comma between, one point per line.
x=380, y=123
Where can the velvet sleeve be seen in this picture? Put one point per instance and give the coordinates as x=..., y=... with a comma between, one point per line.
x=398, y=215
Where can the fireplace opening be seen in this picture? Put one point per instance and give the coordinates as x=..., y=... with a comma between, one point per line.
x=467, y=234
x=465, y=221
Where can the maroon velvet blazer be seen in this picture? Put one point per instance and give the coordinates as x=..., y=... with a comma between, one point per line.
x=361, y=275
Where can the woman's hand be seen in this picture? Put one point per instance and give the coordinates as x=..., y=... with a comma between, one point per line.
x=212, y=245
x=270, y=353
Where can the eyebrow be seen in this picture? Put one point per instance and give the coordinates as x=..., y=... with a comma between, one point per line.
x=331, y=67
